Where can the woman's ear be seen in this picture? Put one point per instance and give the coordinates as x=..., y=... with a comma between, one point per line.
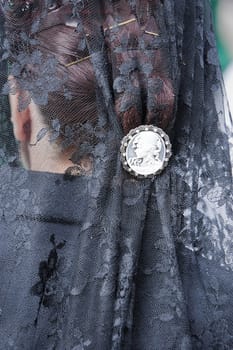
x=21, y=120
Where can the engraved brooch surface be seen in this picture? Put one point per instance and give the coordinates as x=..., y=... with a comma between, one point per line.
x=145, y=151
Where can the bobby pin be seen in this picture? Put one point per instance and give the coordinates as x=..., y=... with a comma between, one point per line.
x=109, y=28
x=105, y=29
x=151, y=33
x=77, y=61
x=127, y=22
x=120, y=24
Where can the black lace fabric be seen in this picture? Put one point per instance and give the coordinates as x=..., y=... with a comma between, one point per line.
x=91, y=257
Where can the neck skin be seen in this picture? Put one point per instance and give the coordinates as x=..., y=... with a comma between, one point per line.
x=43, y=155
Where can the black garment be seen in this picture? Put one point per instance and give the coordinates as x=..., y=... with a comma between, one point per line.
x=69, y=284
x=107, y=261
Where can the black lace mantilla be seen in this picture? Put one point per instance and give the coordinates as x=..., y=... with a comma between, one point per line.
x=92, y=258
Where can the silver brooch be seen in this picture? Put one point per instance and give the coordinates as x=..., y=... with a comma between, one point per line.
x=145, y=151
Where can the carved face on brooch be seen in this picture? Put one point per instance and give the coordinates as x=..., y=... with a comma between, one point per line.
x=145, y=151
x=147, y=146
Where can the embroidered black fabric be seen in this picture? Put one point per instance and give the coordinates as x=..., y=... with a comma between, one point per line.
x=103, y=260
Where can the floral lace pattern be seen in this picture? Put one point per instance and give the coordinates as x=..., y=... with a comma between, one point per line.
x=105, y=261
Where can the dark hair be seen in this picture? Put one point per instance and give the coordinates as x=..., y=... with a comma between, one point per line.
x=153, y=98
x=80, y=107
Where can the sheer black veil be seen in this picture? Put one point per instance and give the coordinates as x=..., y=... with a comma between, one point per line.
x=107, y=260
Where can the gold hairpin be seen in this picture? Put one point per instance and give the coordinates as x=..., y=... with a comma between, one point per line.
x=78, y=61
x=112, y=27
x=151, y=33
x=120, y=24
x=109, y=28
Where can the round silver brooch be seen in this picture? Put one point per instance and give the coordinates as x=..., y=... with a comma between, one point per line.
x=145, y=151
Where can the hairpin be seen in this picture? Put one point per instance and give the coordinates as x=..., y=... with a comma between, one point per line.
x=151, y=33
x=127, y=22
x=77, y=61
x=109, y=28
x=120, y=24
